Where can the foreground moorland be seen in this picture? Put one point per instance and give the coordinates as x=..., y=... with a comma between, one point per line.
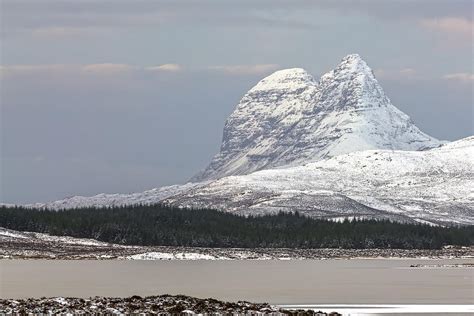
x=163, y=305
x=30, y=245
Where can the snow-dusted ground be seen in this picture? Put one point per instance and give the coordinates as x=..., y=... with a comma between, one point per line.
x=172, y=256
x=16, y=244
x=168, y=305
x=217, y=254
x=12, y=235
x=150, y=305
x=27, y=245
x=152, y=196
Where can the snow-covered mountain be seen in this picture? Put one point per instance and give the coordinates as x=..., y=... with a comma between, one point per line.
x=336, y=148
x=288, y=119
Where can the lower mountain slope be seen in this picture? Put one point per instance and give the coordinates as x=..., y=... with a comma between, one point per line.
x=152, y=196
x=435, y=186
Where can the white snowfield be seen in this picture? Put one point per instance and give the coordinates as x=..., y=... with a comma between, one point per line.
x=232, y=254
x=172, y=256
x=332, y=149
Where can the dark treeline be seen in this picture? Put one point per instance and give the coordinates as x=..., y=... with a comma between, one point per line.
x=167, y=226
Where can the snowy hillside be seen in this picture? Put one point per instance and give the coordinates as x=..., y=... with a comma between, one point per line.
x=435, y=186
x=288, y=119
x=152, y=196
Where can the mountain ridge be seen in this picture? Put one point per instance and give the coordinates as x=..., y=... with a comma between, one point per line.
x=288, y=118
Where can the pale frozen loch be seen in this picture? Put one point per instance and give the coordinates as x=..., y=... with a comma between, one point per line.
x=282, y=282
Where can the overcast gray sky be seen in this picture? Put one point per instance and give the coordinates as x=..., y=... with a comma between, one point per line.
x=123, y=96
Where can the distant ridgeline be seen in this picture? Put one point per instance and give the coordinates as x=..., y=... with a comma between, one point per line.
x=167, y=226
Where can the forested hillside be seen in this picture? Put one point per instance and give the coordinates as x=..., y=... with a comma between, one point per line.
x=167, y=226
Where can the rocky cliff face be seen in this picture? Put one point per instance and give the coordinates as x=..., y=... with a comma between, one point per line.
x=289, y=119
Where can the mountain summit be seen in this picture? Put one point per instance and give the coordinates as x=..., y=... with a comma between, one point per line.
x=289, y=119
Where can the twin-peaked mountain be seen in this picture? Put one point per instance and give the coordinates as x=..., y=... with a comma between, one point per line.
x=333, y=148
x=289, y=118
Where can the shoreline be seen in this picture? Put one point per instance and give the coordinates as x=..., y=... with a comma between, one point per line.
x=188, y=305
x=162, y=253
x=54, y=251
x=30, y=245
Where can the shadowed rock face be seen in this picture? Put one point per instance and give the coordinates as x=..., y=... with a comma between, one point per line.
x=288, y=119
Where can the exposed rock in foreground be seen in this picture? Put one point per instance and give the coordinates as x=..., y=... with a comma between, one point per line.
x=163, y=305
x=456, y=265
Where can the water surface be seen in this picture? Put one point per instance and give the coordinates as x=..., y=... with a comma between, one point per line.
x=278, y=282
